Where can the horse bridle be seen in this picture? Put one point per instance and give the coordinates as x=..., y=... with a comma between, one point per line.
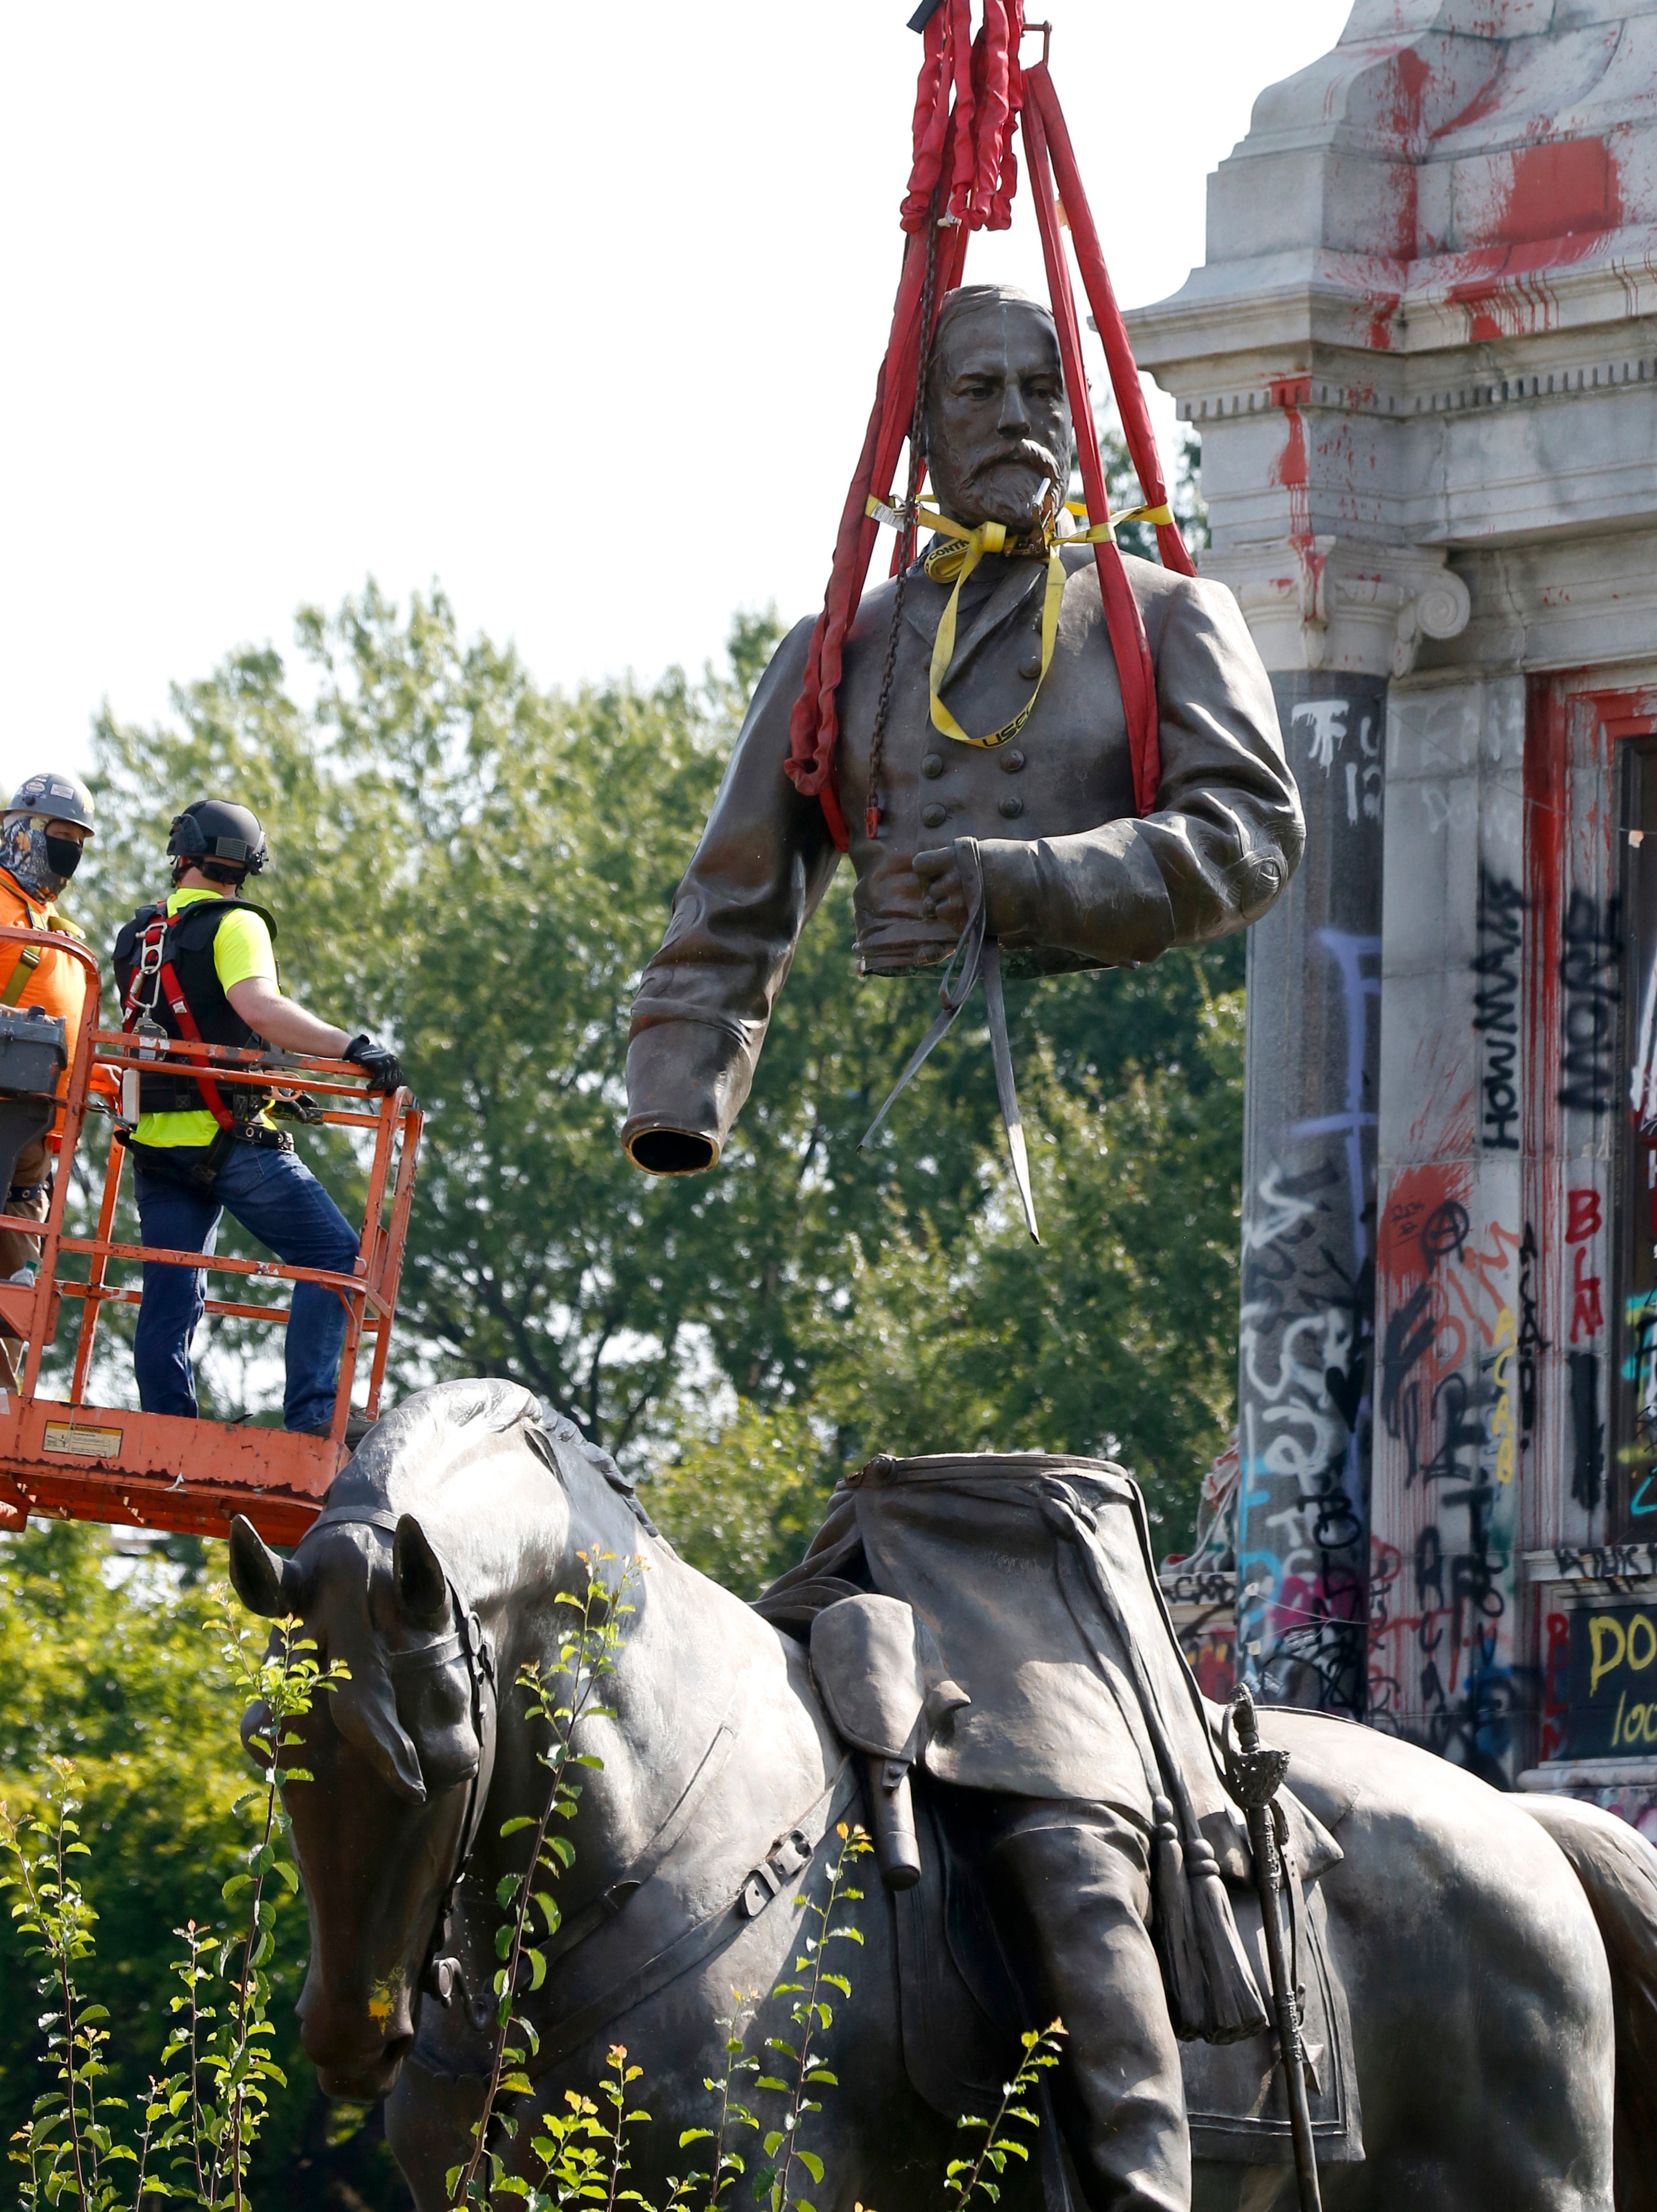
x=443, y=1977
x=471, y=1641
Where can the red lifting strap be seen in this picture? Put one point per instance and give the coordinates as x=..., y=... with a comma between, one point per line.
x=970, y=96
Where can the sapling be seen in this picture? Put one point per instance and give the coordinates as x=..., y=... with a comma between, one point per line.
x=809, y=2015
x=728, y=2166
x=565, y=1697
x=206, y=2118
x=981, y=2176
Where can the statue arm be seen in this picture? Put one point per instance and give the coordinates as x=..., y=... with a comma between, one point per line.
x=1227, y=833
x=705, y=999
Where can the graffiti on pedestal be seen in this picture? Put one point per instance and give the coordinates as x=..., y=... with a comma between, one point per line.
x=1306, y=1339
x=1200, y=1586
x=1495, y=1008
x=1323, y=723
x=1590, y=970
x=1306, y=1324
x=1454, y=1394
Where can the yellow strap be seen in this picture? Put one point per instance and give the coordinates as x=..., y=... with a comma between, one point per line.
x=943, y=647
x=28, y=960
x=932, y=518
x=959, y=560
x=1102, y=529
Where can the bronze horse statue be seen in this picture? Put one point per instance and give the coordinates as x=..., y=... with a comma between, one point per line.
x=1499, y=1953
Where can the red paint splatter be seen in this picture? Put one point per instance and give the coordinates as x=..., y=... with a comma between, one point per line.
x=1483, y=103
x=1410, y=73
x=1559, y=190
x=1558, y=202
x=1556, y=1685
x=1291, y=470
x=1416, y=1196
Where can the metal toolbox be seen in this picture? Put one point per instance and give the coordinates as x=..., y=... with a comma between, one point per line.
x=32, y=1052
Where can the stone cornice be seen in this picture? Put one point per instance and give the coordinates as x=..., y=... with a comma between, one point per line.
x=1390, y=324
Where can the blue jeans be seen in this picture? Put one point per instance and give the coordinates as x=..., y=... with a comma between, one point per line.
x=278, y=1198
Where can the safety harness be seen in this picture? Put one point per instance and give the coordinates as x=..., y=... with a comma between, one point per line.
x=156, y=970
x=30, y=956
x=155, y=978
x=21, y=975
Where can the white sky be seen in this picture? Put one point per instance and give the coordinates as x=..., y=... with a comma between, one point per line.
x=576, y=310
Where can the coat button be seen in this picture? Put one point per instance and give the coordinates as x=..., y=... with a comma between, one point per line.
x=1030, y=667
x=1011, y=807
x=933, y=815
x=932, y=765
x=1011, y=761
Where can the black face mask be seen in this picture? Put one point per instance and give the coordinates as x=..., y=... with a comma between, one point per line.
x=63, y=855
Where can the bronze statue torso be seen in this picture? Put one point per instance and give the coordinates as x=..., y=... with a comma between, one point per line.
x=1072, y=878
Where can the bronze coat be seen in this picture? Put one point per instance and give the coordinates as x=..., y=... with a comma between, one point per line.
x=1072, y=880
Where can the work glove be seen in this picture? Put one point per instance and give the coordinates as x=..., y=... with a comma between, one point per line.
x=378, y=1061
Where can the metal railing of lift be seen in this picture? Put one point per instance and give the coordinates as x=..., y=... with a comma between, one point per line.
x=368, y=1293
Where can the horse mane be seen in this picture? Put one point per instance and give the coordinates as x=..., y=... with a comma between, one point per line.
x=410, y=1454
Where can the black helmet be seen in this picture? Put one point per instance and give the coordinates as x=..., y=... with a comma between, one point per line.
x=214, y=829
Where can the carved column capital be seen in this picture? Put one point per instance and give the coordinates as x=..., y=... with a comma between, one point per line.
x=1341, y=607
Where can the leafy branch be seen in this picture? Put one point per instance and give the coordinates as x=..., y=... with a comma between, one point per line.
x=209, y=2114
x=284, y=1679
x=967, y=2178
x=811, y=2014
x=564, y=1696
x=728, y=2164
x=66, y=2146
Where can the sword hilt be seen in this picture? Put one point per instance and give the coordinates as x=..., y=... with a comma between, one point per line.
x=1254, y=1771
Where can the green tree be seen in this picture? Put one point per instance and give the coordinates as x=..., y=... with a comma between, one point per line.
x=481, y=868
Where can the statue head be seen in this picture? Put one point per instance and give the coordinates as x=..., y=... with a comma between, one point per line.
x=997, y=427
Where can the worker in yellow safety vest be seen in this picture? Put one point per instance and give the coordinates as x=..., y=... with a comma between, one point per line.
x=201, y=965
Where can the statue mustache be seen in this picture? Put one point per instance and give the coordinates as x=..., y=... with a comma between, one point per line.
x=1025, y=454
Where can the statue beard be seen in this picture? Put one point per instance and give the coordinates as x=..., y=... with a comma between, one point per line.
x=1025, y=506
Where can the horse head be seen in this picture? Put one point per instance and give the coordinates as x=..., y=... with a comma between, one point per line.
x=399, y=1753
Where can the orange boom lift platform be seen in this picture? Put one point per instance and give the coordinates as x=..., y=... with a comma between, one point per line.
x=83, y=1461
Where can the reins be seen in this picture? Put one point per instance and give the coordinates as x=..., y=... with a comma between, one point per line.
x=789, y=1856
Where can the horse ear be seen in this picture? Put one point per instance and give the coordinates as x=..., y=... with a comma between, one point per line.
x=422, y=1584
x=263, y=1582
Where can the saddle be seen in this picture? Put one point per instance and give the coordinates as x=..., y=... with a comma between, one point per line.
x=960, y=2011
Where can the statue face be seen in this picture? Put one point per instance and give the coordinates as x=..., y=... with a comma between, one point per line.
x=997, y=421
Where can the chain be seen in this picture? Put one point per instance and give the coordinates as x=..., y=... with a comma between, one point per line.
x=906, y=539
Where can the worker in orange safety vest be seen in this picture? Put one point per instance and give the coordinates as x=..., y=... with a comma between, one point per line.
x=41, y=836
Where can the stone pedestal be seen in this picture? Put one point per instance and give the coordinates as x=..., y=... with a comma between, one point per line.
x=1309, y=1213
x=1421, y=355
